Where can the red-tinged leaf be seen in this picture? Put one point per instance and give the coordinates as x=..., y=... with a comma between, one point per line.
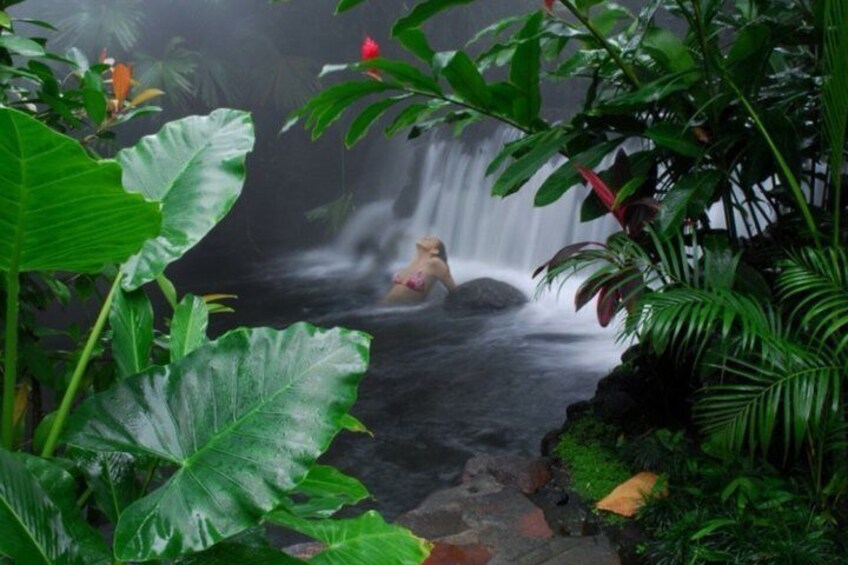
x=562, y=256
x=631, y=288
x=121, y=82
x=590, y=287
x=638, y=213
x=607, y=302
x=604, y=192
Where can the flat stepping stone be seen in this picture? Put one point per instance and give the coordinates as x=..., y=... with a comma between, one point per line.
x=489, y=520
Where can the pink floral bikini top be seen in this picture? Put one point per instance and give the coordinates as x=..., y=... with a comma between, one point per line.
x=415, y=282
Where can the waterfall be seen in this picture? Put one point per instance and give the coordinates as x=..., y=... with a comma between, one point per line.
x=456, y=205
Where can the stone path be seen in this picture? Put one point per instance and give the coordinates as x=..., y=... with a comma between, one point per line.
x=497, y=516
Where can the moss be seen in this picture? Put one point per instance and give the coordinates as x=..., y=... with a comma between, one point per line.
x=595, y=469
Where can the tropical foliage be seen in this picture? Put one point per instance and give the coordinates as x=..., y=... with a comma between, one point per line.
x=700, y=130
x=183, y=445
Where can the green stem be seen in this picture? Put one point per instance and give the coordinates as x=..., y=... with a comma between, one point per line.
x=787, y=174
x=79, y=371
x=613, y=52
x=151, y=473
x=837, y=206
x=13, y=290
x=84, y=497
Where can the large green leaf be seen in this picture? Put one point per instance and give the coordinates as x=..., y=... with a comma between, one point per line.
x=111, y=477
x=675, y=137
x=188, y=326
x=243, y=419
x=366, y=119
x=349, y=540
x=416, y=43
x=195, y=167
x=567, y=175
x=131, y=320
x=60, y=486
x=464, y=77
x=688, y=197
x=523, y=168
x=423, y=12
x=327, y=490
x=30, y=521
x=60, y=210
x=524, y=72
x=345, y=5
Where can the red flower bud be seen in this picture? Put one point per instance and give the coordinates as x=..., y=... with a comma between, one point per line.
x=549, y=6
x=370, y=49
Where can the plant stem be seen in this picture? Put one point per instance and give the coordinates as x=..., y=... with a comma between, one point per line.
x=79, y=370
x=84, y=497
x=787, y=173
x=151, y=473
x=613, y=52
x=13, y=290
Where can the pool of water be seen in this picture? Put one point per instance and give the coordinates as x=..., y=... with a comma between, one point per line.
x=441, y=387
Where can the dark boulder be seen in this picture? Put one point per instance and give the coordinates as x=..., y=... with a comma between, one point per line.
x=485, y=295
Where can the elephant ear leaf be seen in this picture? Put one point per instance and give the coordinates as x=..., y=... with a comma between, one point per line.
x=242, y=419
x=195, y=168
x=188, y=326
x=61, y=210
x=37, y=525
x=131, y=319
x=348, y=540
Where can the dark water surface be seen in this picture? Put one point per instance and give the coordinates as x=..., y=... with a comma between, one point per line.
x=441, y=387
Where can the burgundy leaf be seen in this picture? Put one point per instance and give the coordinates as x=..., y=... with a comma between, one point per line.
x=603, y=191
x=561, y=257
x=607, y=302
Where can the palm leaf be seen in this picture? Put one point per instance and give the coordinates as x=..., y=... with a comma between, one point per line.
x=835, y=93
x=816, y=283
x=787, y=388
x=92, y=25
x=173, y=71
x=690, y=318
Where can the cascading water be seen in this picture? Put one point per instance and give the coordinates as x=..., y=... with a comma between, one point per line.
x=456, y=205
x=443, y=386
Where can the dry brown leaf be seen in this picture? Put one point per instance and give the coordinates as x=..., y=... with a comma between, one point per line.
x=629, y=496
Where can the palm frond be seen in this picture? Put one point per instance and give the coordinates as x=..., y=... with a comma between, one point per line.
x=835, y=93
x=689, y=318
x=217, y=82
x=92, y=25
x=816, y=283
x=173, y=71
x=788, y=388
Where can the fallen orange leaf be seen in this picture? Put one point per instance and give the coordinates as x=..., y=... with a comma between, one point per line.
x=629, y=496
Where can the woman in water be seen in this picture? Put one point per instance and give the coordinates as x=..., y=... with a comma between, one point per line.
x=411, y=284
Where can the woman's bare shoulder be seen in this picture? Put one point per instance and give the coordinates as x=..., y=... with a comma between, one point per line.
x=436, y=263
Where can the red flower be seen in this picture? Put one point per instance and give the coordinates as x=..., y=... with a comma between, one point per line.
x=370, y=49
x=549, y=6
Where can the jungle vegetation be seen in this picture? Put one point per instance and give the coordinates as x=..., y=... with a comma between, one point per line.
x=714, y=132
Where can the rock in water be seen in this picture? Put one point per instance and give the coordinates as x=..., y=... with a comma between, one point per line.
x=484, y=294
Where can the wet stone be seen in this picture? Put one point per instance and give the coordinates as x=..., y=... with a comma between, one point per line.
x=527, y=475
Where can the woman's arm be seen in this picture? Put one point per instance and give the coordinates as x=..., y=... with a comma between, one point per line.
x=441, y=271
